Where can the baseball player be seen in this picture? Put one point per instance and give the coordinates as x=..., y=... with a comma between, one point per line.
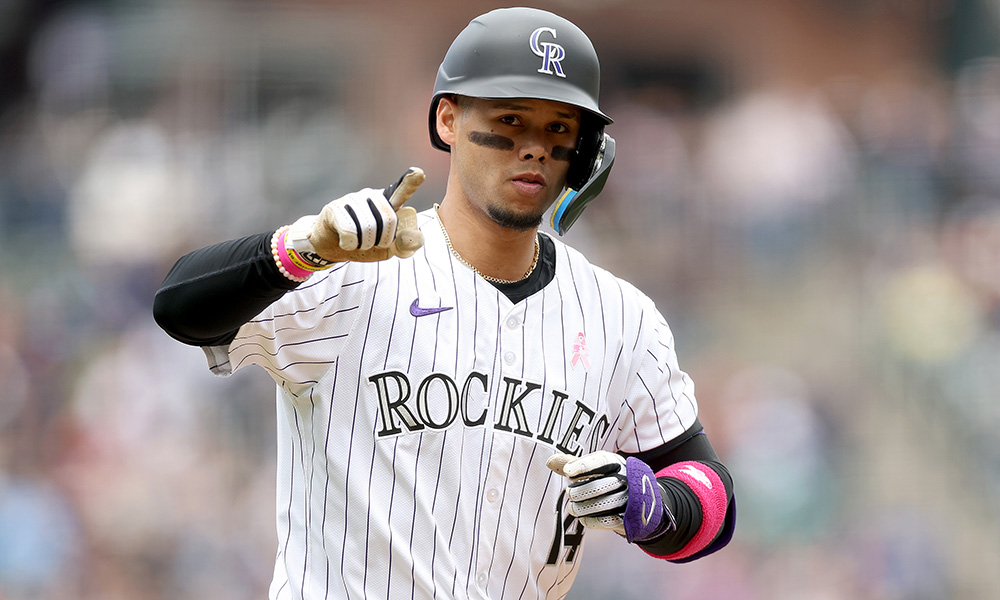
x=460, y=397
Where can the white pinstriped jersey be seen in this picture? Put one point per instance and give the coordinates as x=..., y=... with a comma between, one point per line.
x=412, y=441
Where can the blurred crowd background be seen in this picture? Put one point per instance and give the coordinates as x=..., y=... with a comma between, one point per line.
x=809, y=189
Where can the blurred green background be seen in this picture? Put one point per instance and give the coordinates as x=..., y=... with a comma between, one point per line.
x=809, y=189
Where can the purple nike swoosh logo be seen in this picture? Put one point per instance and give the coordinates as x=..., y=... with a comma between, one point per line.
x=417, y=311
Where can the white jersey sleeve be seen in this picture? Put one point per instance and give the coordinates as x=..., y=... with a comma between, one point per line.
x=649, y=399
x=659, y=403
x=298, y=338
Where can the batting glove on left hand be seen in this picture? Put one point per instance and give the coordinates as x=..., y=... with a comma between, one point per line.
x=607, y=491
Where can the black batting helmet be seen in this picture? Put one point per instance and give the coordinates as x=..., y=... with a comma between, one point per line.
x=531, y=53
x=520, y=53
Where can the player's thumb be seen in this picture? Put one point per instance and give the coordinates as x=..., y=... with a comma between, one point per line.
x=409, y=238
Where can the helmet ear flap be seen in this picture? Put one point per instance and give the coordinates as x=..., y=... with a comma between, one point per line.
x=573, y=200
x=588, y=145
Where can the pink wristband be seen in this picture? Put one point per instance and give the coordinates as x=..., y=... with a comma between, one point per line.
x=711, y=492
x=288, y=268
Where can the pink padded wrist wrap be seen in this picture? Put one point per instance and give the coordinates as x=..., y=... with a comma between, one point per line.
x=711, y=493
x=286, y=260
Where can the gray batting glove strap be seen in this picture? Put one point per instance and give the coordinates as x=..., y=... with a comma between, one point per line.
x=599, y=487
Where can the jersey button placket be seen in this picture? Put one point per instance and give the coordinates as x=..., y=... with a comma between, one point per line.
x=511, y=338
x=489, y=525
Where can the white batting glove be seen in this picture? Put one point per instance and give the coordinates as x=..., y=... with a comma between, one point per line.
x=598, y=488
x=360, y=226
x=606, y=491
x=361, y=220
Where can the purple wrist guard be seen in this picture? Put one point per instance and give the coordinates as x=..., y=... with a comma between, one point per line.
x=644, y=513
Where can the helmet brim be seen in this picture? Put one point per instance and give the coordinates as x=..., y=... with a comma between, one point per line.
x=511, y=87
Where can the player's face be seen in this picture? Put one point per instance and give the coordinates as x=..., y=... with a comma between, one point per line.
x=511, y=156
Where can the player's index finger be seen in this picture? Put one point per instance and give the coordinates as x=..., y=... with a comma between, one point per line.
x=407, y=184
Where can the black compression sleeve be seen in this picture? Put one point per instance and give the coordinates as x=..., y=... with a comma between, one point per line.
x=210, y=293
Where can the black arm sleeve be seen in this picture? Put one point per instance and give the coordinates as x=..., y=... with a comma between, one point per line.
x=210, y=293
x=692, y=445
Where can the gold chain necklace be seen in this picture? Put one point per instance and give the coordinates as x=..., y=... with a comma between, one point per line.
x=531, y=269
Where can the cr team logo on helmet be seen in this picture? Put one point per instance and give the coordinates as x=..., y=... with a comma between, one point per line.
x=552, y=54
